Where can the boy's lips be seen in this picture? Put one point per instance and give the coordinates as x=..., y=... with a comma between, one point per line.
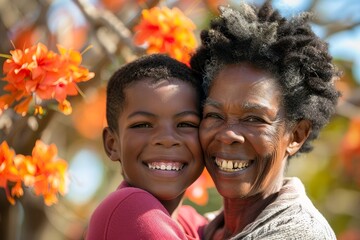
x=166, y=166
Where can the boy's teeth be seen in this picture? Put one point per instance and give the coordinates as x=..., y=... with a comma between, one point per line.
x=231, y=165
x=168, y=166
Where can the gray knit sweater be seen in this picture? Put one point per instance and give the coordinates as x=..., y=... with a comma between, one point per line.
x=291, y=216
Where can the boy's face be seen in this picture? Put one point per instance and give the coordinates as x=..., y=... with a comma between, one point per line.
x=157, y=139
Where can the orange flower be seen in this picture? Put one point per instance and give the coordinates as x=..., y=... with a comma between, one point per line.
x=41, y=171
x=26, y=168
x=39, y=74
x=166, y=30
x=50, y=177
x=8, y=171
x=197, y=192
x=65, y=107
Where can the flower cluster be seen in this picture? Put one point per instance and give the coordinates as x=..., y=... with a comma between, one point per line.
x=37, y=73
x=42, y=171
x=166, y=30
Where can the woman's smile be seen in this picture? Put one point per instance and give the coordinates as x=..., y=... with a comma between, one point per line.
x=232, y=165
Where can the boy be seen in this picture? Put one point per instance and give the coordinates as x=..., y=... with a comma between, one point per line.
x=153, y=112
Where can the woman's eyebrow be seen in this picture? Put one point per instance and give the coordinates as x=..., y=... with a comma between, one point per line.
x=257, y=106
x=212, y=102
x=244, y=105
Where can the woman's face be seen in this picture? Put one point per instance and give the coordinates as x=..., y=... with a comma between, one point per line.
x=243, y=132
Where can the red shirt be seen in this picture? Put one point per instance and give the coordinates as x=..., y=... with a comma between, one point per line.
x=132, y=213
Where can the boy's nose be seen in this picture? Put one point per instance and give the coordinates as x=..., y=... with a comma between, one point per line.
x=166, y=137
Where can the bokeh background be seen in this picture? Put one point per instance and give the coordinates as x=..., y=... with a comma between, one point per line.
x=331, y=173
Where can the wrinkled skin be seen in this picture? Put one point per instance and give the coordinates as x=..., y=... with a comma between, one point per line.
x=246, y=142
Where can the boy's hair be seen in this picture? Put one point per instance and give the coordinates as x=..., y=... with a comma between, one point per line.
x=289, y=49
x=155, y=67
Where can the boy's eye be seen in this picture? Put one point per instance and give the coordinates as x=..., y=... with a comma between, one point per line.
x=141, y=125
x=188, y=124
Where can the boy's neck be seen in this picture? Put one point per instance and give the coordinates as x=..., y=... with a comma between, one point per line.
x=172, y=206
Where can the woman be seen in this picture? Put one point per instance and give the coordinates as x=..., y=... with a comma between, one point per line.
x=270, y=89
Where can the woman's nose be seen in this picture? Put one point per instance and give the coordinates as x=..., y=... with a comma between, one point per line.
x=230, y=134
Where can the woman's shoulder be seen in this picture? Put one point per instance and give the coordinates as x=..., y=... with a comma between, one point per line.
x=295, y=213
x=291, y=214
x=295, y=222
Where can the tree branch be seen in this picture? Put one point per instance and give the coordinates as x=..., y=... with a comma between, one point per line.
x=101, y=17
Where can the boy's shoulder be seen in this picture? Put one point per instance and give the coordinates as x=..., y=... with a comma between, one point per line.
x=132, y=213
x=192, y=222
x=129, y=197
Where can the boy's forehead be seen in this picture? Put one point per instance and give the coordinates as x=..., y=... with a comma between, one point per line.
x=164, y=88
x=159, y=85
x=156, y=83
x=144, y=94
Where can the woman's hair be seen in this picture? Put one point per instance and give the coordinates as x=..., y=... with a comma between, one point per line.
x=155, y=67
x=287, y=48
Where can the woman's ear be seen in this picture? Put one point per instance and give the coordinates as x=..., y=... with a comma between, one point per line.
x=300, y=133
x=110, y=144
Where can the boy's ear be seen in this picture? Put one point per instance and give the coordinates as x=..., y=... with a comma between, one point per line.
x=110, y=143
x=300, y=133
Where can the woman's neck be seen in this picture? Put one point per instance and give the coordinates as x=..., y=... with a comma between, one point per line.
x=238, y=213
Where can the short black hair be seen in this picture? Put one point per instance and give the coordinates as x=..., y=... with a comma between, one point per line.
x=287, y=48
x=156, y=67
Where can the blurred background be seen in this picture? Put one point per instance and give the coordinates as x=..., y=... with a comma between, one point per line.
x=331, y=173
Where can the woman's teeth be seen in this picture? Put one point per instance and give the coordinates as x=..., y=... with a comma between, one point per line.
x=231, y=165
x=168, y=166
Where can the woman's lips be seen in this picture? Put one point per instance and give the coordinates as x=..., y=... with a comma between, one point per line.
x=232, y=165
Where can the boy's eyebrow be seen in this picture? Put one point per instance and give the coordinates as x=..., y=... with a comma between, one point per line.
x=148, y=114
x=141, y=113
x=188, y=113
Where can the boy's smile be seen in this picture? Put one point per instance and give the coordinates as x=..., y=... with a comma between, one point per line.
x=157, y=140
x=166, y=166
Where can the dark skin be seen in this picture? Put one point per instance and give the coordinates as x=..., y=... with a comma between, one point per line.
x=246, y=141
x=249, y=210
x=157, y=139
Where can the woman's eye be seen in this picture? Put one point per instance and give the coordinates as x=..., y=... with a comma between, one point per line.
x=213, y=115
x=141, y=125
x=254, y=119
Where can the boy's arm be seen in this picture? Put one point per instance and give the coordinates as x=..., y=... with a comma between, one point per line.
x=138, y=215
